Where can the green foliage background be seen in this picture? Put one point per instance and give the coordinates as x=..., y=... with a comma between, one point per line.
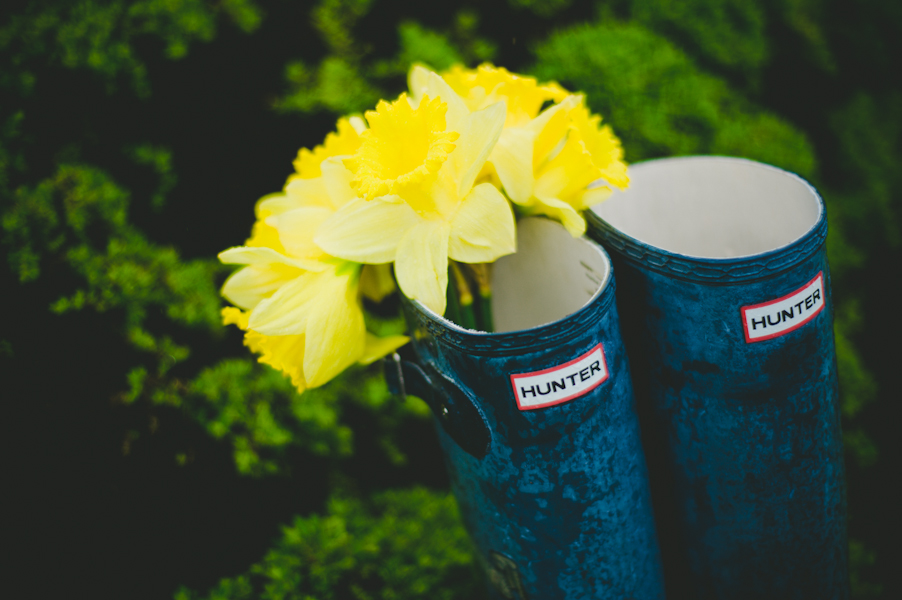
x=153, y=457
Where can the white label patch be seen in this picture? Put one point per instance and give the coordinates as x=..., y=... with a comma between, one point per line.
x=561, y=383
x=777, y=317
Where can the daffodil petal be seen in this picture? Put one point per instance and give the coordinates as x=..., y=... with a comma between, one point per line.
x=335, y=333
x=512, y=159
x=345, y=140
x=248, y=255
x=282, y=352
x=593, y=196
x=234, y=316
x=421, y=266
x=377, y=347
x=300, y=192
x=276, y=204
x=366, y=231
x=483, y=228
x=478, y=136
x=264, y=236
x=252, y=255
x=286, y=311
x=551, y=182
x=564, y=213
x=247, y=287
x=337, y=182
x=298, y=227
x=273, y=204
x=602, y=145
x=423, y=82
x=550, y=128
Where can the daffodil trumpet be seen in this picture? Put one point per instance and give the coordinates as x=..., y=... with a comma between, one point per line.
x=418, y=196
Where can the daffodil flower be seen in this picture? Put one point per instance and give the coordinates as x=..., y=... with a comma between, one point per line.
x=554, y=164
x=415, y=186
x=415, y=170
x=312, y=328
x=302, y=310
x=487, y=84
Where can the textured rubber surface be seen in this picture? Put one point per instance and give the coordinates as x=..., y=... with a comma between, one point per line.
x=742, y=437
x=559, y=507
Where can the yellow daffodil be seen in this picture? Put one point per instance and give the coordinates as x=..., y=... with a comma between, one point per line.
x=554, y=163
x=487, y=84
x=415, y=170
x=312, y=328
x=397, y=197
x=302, y=310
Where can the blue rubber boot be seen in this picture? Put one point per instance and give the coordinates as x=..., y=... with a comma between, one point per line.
x=539, y=429
x=728, y=321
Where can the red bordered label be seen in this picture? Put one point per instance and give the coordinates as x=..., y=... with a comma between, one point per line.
x=562, y=383
x=778, y=317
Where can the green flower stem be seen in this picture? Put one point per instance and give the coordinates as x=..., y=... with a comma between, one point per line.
x=465, y=297
x=452, y=311
x=485, y=312
x=482, y=275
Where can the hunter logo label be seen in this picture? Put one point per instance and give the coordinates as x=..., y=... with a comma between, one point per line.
x=561, y=383
x=777, y=317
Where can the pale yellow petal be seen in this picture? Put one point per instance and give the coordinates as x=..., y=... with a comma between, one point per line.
x=478, y=136
x=550, y=182
x=377, y=347
x=337, y=182
x=286, y=311
x=512, y=159
x=422, y=82
x=562, y=212
x=593, y=196
x=550, y=127
x=366, y=231
x=300, y=192
x=421, y=266
x=252, y=255
x=483, y=229
x=335, y=333
x=357, y=124
x=298, y=227
x=376, y=282
x=272, y=204
x=247, y=287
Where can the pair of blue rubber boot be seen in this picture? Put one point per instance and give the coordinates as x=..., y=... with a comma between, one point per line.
x=676, y=434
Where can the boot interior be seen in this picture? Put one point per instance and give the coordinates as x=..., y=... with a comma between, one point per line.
x=712, y=206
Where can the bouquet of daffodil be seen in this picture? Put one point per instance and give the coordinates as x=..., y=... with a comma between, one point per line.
x=427, y=185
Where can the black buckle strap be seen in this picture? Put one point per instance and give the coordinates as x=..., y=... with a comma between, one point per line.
x=458, y=415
